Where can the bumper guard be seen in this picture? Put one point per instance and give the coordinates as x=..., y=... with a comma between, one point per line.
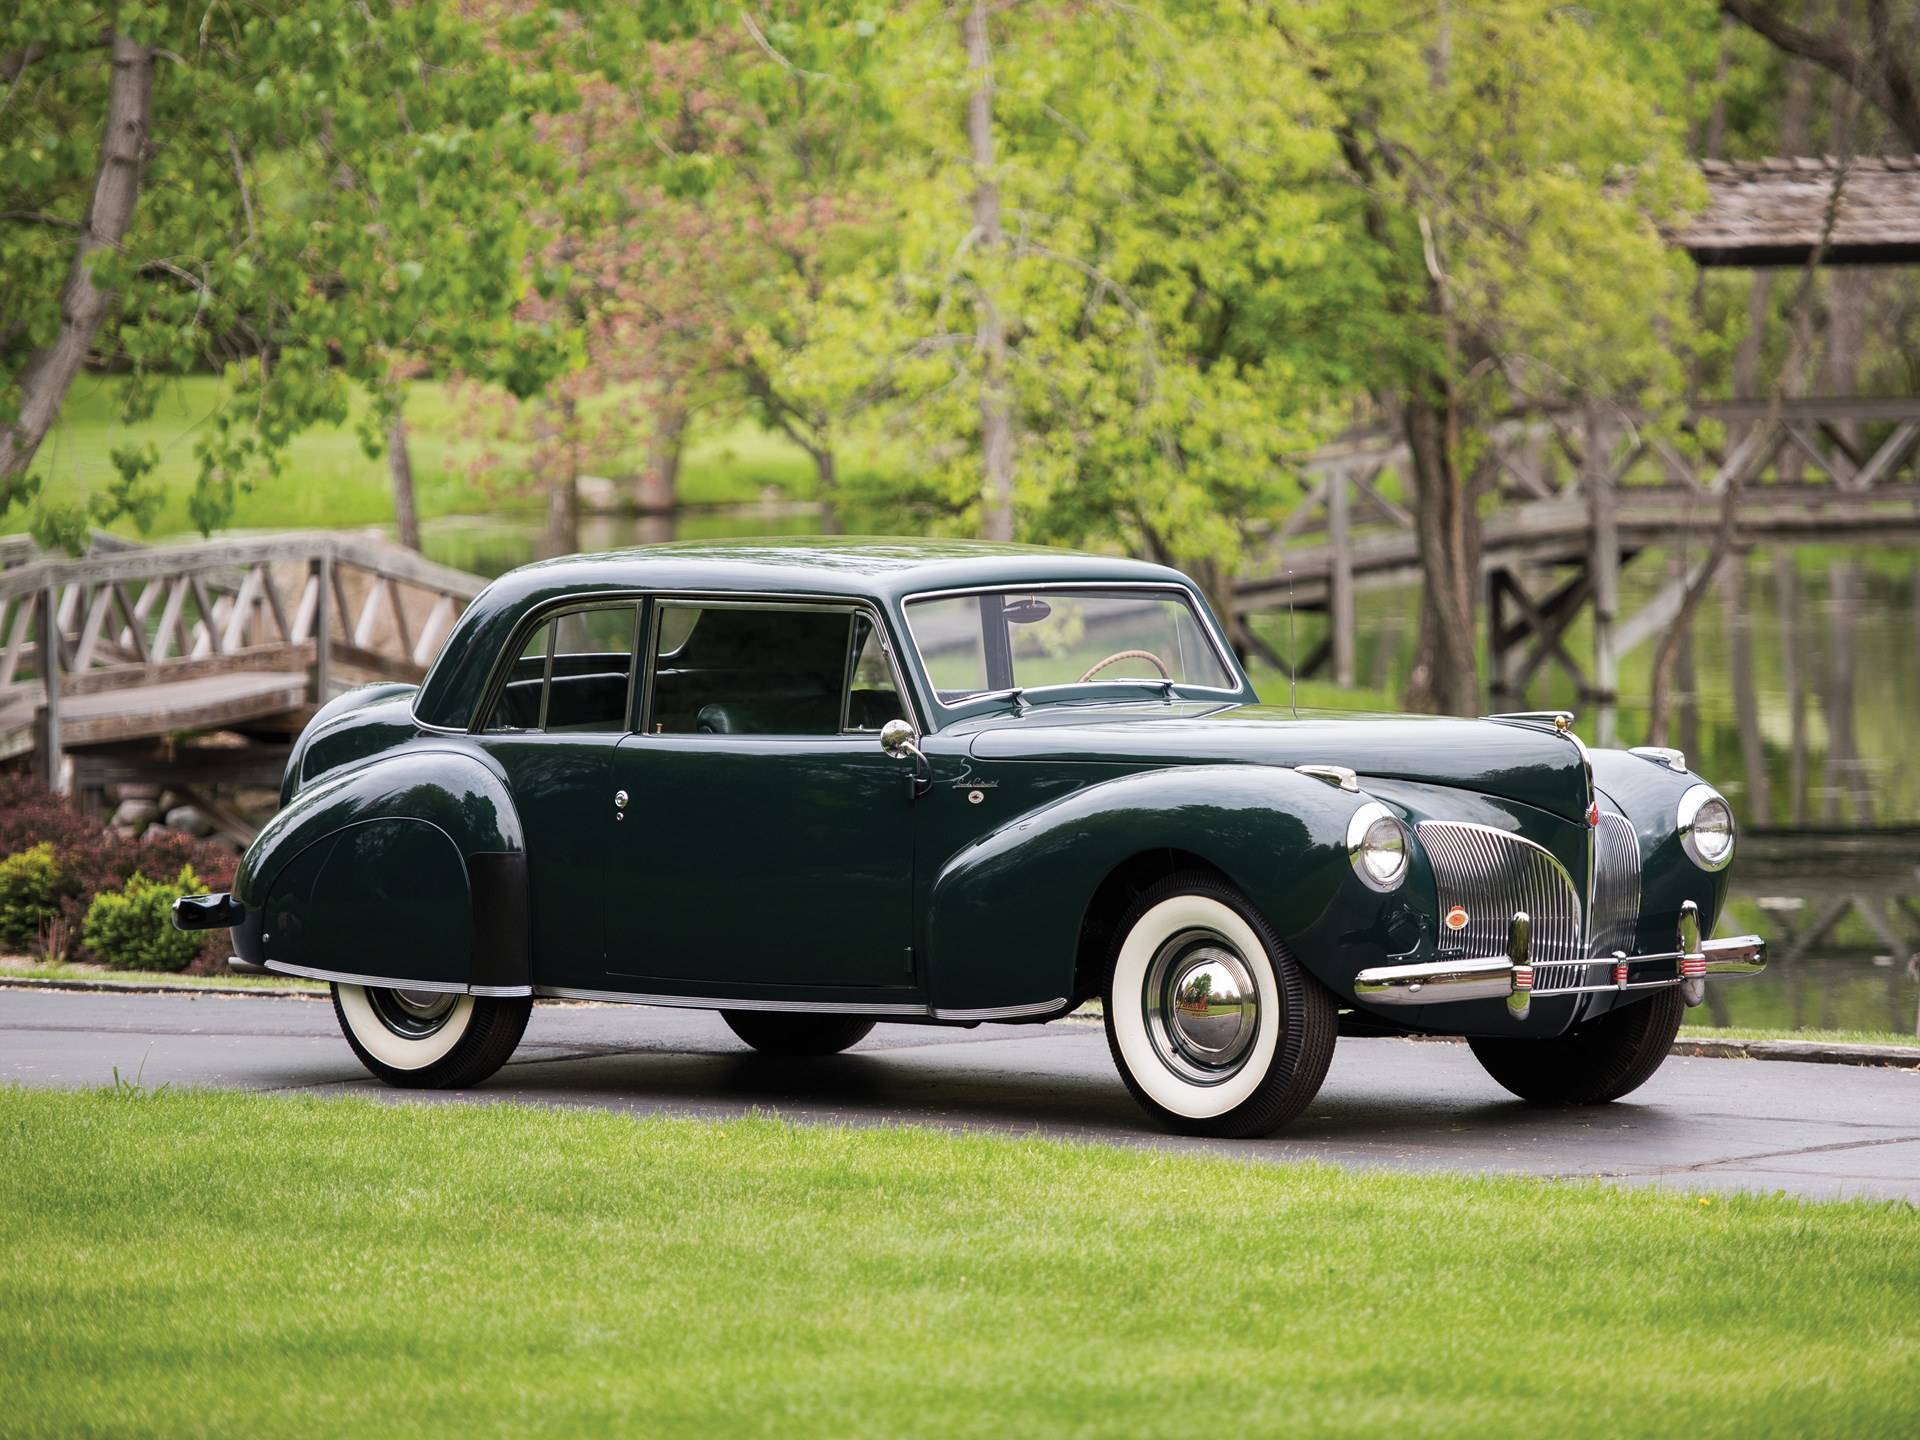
x=1512, y=977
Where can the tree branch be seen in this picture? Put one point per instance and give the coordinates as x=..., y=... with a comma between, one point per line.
x=1888, y=85
x=35, y=217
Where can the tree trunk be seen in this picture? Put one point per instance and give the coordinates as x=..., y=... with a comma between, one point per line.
x=49, y=372
x=1445, y=674
x=562, y=534
x=406, y=517
x=825, y=468
x=656, y=490
x=990, y=333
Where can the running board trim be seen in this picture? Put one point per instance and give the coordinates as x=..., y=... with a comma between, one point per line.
x=387, y=982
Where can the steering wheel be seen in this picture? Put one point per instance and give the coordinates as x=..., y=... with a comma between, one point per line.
x=1118, y=655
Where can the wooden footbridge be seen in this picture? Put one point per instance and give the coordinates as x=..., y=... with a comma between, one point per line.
x=196, y=664
x=1579, y=497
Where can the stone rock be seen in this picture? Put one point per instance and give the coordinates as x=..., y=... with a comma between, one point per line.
x=133, y=814
x=140, y=792
x=127, y=832
x=188, y=821
x=170, y=800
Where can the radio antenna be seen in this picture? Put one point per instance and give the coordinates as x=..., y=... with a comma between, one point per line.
x=1293, y=652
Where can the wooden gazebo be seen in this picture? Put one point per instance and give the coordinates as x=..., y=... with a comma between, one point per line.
x=1763, y=213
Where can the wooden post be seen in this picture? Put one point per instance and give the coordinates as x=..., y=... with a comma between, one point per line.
x=1786, y=600
x=322, y=629
x=1340, y=618
x=1746, y=702
x=1603, y=557
x=1499, y=670
x=47, y=659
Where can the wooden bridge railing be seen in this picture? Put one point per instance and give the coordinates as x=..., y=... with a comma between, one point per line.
x=1586, y=491
x=140, y=642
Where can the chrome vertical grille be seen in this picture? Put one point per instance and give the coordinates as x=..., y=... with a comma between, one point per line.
x=1616, y=885
x=1490, y=874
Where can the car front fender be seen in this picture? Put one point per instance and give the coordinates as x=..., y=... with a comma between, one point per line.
x=1006, y=914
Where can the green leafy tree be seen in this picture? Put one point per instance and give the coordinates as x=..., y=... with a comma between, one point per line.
x=1123, y=314
x=1510, y=169
x=296, y=191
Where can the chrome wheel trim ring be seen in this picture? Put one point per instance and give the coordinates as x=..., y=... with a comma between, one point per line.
x=412, y=1014
x=1201, y=1005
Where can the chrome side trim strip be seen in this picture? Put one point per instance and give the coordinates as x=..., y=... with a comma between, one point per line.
x=708, y=1002
x=387, y=982
x=1002, y=1012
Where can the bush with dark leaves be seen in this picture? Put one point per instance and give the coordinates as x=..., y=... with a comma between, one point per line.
x=95, y=860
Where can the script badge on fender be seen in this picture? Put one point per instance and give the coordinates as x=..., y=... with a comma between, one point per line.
x=1457, y=918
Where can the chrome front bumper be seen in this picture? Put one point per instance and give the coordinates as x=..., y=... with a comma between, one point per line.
x=1513, y=977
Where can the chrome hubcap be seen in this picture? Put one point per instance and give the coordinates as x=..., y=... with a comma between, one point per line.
x=414, y=1014
x=1202, y=1006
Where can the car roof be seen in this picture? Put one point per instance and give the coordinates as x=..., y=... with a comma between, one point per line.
x=837, y=564
x=880, y=569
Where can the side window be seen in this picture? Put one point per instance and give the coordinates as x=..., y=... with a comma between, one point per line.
x=574, y=674
x=872, y=697
x=747, y=670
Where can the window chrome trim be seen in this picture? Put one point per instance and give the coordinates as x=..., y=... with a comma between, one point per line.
x=523, y=628
x=737, y=600
x=1222, y=652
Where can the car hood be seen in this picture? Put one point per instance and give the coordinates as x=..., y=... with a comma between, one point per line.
x=1515, y=760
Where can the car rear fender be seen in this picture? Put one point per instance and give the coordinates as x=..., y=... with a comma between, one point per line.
x=410, y=868
x=1006, y=914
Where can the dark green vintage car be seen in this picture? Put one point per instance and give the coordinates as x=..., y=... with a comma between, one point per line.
x=818, y=784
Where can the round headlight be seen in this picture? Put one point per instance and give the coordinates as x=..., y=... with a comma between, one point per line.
x=1706, y=828
x=1377, y=843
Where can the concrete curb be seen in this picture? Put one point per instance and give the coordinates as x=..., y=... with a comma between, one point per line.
x=1815, y=1052
x=151, y=987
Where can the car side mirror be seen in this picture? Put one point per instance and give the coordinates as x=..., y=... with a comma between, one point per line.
x=897, y=737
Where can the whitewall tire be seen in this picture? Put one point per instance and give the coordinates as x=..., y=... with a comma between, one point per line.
x=1213, y=1024
x=427, y=1039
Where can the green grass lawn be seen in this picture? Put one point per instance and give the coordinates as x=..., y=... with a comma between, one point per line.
x=20, y=967
x=330, y=482
x=1832, y=1037
x=245, y=1265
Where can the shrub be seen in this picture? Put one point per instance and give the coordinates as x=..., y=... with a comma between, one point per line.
x=32, y=884
x=132, y=929
x=97, y=860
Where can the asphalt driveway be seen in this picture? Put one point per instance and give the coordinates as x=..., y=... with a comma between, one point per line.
x=1707, y=1124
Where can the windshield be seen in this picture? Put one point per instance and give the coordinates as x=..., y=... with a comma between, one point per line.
x=1026, y=639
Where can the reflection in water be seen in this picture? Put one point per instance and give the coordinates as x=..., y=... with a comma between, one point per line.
x=1840, y=912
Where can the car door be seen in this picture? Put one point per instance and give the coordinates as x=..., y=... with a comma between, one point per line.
x=553, y=725
x=764, y=843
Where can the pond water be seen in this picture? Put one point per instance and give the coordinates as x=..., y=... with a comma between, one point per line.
x=1797, y=695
